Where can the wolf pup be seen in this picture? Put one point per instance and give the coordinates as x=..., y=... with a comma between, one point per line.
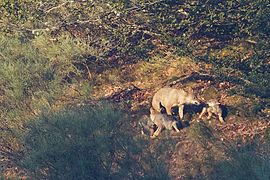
x=169, y=97
x=212, y=107
x=162, y=121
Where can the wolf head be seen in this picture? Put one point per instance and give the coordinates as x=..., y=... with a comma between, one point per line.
x=190, y=99
x=213, y=102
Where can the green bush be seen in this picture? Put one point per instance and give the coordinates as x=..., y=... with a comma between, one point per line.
x=252, y=74
x=223, y=160
x=32, y=74
x=102, y=24
x=244, y=163
x=126, y=28
x=83, y=143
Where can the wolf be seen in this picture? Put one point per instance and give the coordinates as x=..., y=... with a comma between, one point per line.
x=170, y=97
x=146, y=125
x=162, y=121
x=212, y=107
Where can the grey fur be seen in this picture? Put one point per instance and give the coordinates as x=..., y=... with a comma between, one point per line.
x=169, y=97
x=213, y=108
x=162, y=121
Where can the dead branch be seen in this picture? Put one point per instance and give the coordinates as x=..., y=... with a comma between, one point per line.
x=125, y=94
x=195, y=76
x=57, y=7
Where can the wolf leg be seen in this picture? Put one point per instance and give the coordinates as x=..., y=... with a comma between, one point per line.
x=181, y=111
x=156, y=105
x=203, y=112
x=157, y=132
x=220, y=118
x=209, y=114
x=151, y=132
x=168, y=110
x=175, y=127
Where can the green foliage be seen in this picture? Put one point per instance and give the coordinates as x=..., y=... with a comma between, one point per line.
x=48, y=46
x=105, y=25
x=227, y=159
x=120, y=28
x=32, y=77
x=213, y=19
x=83, y=143
x=35, y=69
x=252, y=74
x=244, y=163
x=260, y=72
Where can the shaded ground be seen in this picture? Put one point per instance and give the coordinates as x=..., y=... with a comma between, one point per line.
x=194, y=150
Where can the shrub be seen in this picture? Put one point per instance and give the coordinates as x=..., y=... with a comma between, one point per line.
x=32, y=73
x=244, y=163
x=32, y=80
x=83, y=143
x=223, y=160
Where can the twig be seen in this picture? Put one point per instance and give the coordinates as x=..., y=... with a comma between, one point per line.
x=4, y=57
x=88, y=71
x=56, y=7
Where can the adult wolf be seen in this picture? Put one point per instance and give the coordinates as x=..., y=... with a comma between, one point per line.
x=170, y=97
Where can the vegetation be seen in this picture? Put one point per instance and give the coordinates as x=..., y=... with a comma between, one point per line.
x=238, y=162
x=84, y=143
x=60, y=59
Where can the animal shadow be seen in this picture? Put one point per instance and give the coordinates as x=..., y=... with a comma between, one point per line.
x=191, y=109
x=180, y=123
x=225, y=110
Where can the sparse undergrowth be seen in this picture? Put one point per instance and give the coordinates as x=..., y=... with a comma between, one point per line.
x=87, y=143
x=63, y=55
x=202, y=155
